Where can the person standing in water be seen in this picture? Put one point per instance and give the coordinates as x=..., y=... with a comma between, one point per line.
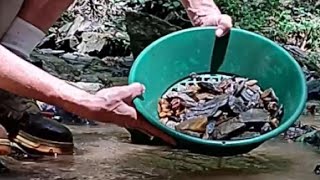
x=23, y=23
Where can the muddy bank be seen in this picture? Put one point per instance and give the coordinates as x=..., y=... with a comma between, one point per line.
x=104, y=152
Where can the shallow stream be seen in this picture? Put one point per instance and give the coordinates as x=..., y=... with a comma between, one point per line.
x=104, y=152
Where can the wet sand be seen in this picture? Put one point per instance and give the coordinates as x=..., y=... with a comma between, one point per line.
x=104, y=152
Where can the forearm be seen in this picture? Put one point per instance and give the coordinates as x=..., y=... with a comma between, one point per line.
x=199, y=8
x=22, y=78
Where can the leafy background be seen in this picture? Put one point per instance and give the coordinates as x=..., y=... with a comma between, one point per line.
x=292, y=22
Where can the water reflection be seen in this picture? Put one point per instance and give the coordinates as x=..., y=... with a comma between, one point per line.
x=272, y=159
x=104, y=153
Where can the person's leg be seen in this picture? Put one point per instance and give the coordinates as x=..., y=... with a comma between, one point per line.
x=8, y=12
x=30, y=26
x=43, y=14
x=21, y=116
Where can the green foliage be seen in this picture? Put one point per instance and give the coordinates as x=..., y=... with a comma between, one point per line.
x=169, y=10
x=288, y=21
x=293, y=22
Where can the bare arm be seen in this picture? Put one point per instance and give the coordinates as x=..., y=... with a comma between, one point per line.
x=107, y=105
x=199, y=8
x=24, y=79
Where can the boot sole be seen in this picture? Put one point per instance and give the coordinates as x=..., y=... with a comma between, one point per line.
x=43, y=145
x=5, y=147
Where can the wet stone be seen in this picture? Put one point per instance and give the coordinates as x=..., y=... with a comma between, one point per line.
x=209, y=87
x=171, y=124
x=246, y=135
x=237, y=105
x=226, y=128
x=230, y=109
x=209, y=130
x=254, y=115
x=192, y=133
x=266, y=128
x=196, y=125
x=294, y=132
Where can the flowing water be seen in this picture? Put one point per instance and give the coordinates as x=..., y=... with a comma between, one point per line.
x=104, y=152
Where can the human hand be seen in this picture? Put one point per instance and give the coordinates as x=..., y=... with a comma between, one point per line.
x=222, y=21
x=206, y=16
x=119, y=110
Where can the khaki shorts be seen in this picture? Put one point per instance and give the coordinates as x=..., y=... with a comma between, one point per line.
x=8, y=11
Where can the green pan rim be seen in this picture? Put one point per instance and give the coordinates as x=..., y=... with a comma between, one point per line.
x=219, y=143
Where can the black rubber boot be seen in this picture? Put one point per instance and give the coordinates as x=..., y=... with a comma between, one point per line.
x=30, y=130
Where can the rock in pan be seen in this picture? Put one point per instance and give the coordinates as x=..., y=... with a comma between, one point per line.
x=232, y=109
